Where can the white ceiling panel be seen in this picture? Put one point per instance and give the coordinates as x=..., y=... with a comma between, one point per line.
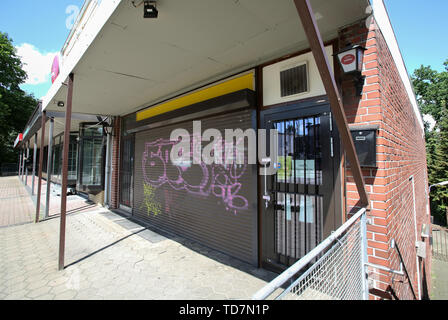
x=135, y=62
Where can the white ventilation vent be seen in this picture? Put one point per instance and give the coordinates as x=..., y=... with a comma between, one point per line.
x=293, y=79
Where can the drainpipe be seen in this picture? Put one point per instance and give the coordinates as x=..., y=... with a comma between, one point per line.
x=23, y=163
x=416, y=238
x=49, y=168
x=41, y=161
x=27, y=157
x=20, y=163
x=111, y=141
x=107, y=172
x=34, y=163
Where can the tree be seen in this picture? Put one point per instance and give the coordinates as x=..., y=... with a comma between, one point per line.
x=431, y=88
x=439, y=167
x=16, y=106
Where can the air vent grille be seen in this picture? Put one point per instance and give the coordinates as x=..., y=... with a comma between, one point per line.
x=294, y=80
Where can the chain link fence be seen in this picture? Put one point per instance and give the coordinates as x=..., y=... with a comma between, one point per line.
x=338, y=273
x=439, y=243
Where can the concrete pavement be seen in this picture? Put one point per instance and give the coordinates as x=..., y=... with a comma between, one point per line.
x=111, y=257
x=439, y=264
x=439, y=280
x=16, y=206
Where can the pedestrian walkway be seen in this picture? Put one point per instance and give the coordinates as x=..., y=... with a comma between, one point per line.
x=439, y=268
x=75, y=203
x=16, y=206
x=110, y=257
x=439, y=280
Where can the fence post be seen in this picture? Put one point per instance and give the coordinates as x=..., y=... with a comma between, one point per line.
x=365, y=280
x=446, y=216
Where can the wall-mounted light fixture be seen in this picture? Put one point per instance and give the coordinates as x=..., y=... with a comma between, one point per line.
x=351, y=59
x=150, y=9
x=61, y=104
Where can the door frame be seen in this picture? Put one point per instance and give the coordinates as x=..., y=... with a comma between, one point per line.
x=80, y=186
x=304, y=108
x=130, y=137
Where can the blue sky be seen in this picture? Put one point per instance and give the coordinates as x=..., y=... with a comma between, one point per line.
x=420, y=28
x=38, y=29
x=41, y=24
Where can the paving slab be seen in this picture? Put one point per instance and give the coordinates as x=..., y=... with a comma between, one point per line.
x=439, y=281
x=109, y=257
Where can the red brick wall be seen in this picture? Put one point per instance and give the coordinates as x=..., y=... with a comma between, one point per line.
x=400, y=154
x=115, y=165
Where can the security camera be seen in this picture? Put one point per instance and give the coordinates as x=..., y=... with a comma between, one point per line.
x=150, y=9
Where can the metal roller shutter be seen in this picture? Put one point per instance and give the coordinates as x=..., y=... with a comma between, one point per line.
x=215, y=205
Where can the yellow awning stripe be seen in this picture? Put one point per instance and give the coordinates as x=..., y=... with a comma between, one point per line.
x=244, y=82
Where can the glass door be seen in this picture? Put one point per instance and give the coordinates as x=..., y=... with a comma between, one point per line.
x=298, y=203
x=92, y=150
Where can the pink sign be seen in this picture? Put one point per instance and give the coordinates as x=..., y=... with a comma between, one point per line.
x=55, y=69
x=18, y=139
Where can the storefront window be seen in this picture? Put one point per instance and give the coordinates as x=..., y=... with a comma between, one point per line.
x=57, y=156
x=91, y=155
x=91, y=171
x=73, y=158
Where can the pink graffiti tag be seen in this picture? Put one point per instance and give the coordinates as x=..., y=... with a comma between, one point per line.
x=219, y=180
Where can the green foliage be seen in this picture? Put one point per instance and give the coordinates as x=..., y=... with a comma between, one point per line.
x=15, y=105
x=431, y=88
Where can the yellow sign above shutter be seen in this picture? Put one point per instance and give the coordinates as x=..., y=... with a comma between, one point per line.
x=233, y=85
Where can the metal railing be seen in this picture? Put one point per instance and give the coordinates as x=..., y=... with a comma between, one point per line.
x=439, y=243
x=9, y=169
x=338, y=274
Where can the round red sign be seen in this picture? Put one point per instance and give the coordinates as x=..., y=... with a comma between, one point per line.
x=348, y=59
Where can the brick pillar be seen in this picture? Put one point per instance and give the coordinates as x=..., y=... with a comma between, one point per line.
x=115, y=164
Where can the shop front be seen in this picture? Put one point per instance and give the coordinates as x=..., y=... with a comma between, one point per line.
x=86, y=156
x=242, y=67
x=92, y=150
x=271, y=220
x=214, y=204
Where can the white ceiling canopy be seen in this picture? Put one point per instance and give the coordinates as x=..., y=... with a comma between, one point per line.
x=135, y=62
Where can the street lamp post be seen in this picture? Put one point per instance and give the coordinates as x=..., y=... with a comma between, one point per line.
x=443, y=183
x=437, y=184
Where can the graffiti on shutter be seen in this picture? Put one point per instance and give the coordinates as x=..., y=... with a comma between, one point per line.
x=221, y=181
